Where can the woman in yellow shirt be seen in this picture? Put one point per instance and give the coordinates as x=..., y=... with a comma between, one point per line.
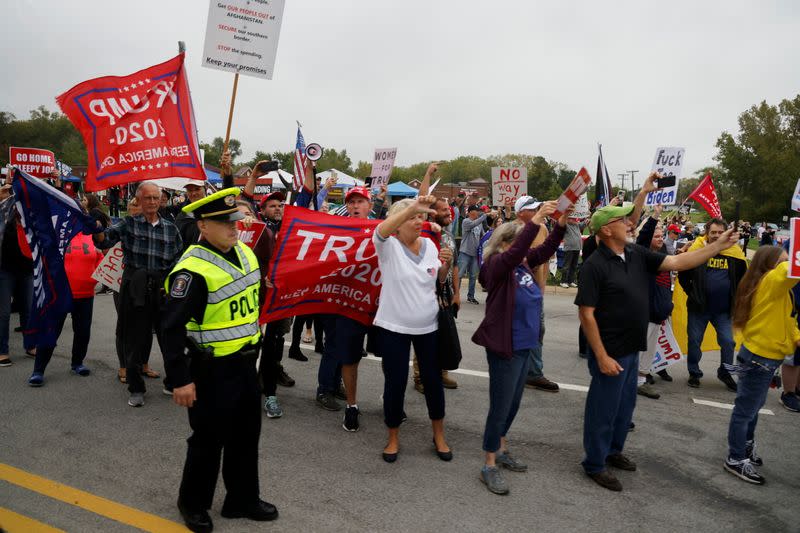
x=762, y=312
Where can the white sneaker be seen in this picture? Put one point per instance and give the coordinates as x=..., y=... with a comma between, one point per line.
x=573, y=285
x=563, y=285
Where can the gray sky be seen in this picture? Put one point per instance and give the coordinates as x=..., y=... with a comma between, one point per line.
x=442, y=78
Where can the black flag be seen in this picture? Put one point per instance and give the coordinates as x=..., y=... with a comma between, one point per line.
x=602, y=185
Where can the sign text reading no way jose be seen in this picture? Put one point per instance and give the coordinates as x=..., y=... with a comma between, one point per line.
x=242, y=36
x=508, y=184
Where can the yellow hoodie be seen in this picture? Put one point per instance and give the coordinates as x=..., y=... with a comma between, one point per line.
x=734, y=251
x=771, y=331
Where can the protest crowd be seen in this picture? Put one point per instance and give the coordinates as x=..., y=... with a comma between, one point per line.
x=383, y=277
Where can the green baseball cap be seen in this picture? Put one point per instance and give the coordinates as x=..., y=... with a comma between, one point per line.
x=606, y=214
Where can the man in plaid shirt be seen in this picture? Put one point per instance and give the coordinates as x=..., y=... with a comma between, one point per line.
x=151, y=246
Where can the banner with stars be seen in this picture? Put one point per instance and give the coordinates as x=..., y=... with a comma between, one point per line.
x=136, y=127
x=323, y=264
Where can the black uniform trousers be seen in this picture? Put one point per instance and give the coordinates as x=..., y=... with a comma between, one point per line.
x=225, y=417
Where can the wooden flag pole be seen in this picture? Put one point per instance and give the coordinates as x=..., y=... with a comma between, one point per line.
x=230, y=113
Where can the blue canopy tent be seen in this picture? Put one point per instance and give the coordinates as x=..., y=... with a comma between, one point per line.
x=398, y=188
x=213, y=177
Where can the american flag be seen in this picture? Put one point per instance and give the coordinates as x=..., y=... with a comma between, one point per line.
x=299, y=161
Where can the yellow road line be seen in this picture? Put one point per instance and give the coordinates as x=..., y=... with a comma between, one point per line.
x=12, y=522
x=90, y=502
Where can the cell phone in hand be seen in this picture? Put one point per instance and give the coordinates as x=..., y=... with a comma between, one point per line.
x=265, y=167
x=368, y=181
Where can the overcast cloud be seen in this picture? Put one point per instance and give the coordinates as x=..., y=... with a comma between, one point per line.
x=442, y=78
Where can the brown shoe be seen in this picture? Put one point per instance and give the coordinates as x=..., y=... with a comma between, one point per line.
x=607, y=480
x=122, y=375
x=621, y=461
x=448, y=382
x=542, y=383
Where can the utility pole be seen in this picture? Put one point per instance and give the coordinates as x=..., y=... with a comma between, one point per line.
x=622, y=179
x=633, y=182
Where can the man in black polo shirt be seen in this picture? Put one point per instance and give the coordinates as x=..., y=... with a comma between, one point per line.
x=614, y=309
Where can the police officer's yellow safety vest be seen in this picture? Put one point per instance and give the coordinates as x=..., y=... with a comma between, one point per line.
x=230, y=321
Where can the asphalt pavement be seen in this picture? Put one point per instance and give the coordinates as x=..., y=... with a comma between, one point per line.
x=80, y=432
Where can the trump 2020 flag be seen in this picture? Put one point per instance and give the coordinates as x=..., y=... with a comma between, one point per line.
x=50, y=219
x=136, y=127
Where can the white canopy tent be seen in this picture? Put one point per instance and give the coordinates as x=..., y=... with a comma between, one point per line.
x=344, y=181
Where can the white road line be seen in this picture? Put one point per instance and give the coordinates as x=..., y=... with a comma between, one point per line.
x=565, y=386
x=728, y=406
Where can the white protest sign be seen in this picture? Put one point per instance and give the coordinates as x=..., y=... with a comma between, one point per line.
x=668, y=162
x=242, y=36
x=508, y=184
x=663, y=346
x=581, y=210
x=796, y=197
x=382, y=165
x=109, y=271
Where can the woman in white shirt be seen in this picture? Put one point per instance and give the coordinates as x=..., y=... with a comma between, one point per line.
x=407, y=314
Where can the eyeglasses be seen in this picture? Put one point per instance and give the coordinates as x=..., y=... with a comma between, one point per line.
x=624, y=219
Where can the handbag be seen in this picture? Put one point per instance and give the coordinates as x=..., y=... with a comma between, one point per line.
x=448, y=345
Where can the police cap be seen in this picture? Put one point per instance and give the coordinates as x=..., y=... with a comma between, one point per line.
x=220, y=206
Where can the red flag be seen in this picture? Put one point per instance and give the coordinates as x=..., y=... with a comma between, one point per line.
x=136, y=127
x=706, y=195
x=323, y=264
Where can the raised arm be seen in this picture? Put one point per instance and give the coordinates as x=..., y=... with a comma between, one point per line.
x=638, y=204
x=688, y=260
x=425, y=186
x=420, y=206
x=542, y=253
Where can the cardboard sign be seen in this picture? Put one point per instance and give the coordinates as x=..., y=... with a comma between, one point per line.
x=242, y=36
x=250, y=235
x=794, y=248
x=34, y=161
x=580, y=183
x=382, y=165
x=581, y=208
x=796, y=197
x=665, y=351
x=508, y=184
x=667, y=162
x=109, y=271
x=136, y=127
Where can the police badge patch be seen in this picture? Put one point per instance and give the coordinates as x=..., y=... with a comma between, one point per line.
x=180, y=285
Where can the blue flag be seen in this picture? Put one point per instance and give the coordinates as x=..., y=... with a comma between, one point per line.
x=50, y=219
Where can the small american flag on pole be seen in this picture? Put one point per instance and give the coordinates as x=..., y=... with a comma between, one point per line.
x=299, y=161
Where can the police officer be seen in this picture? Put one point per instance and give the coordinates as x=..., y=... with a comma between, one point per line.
x=211, y=341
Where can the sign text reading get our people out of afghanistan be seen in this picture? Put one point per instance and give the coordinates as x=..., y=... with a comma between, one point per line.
x=136, y=127
x=242, y=36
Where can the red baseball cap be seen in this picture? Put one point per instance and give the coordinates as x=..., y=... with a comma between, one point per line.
x=360, y=191
x=275, y=195
x=485, y=208
x=674, y=227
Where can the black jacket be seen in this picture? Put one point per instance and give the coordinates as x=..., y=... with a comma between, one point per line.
x=660, y=295
x=694, y=283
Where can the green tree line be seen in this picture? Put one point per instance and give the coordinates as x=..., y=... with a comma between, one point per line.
x=757, y=166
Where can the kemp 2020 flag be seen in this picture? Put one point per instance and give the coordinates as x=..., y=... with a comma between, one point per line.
x=136, y=127
x=323, y=264
x=50, y=219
